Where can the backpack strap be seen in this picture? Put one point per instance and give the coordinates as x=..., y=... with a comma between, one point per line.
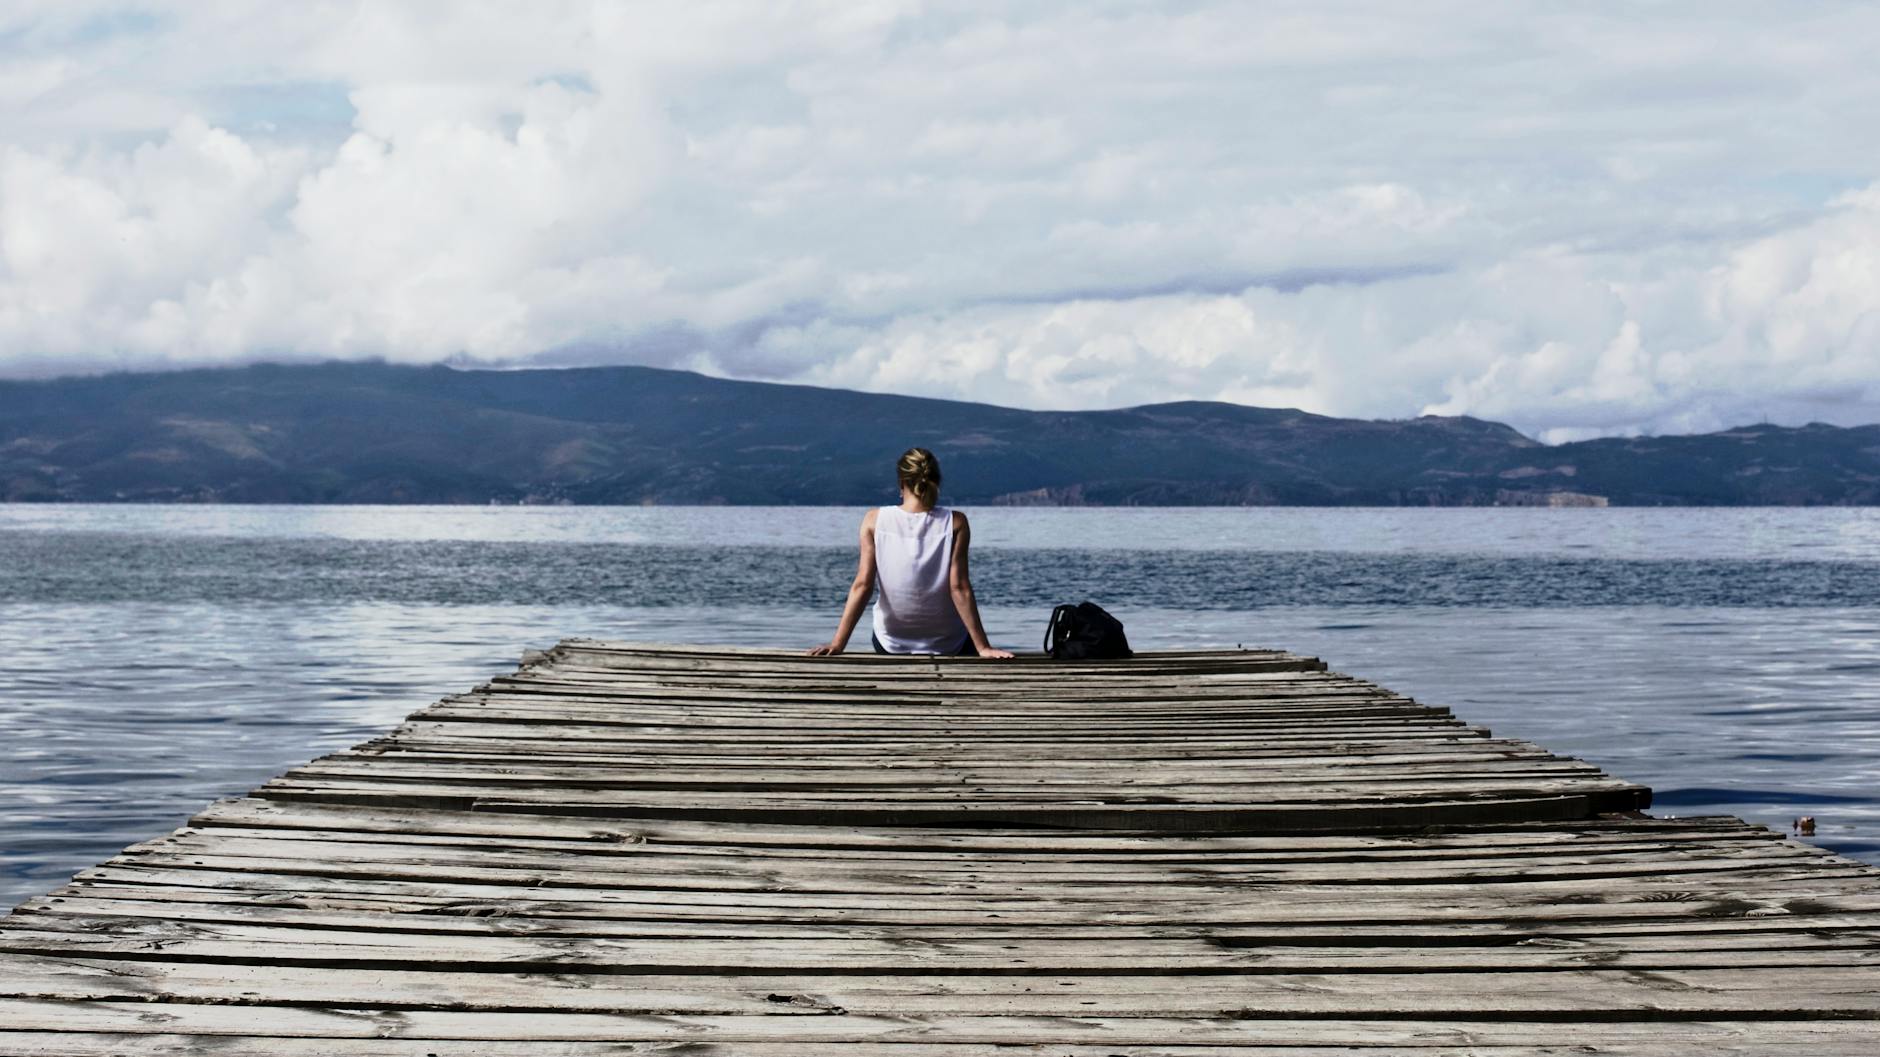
x=1051, y=636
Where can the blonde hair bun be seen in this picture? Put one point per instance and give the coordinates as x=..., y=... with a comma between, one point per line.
x=919, y=473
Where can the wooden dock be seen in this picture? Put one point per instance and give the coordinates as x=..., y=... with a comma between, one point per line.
x=669, y=851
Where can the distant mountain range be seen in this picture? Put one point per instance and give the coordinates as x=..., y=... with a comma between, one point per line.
x=372, y=433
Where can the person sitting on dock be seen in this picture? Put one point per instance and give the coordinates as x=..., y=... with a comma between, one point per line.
x=915, y=554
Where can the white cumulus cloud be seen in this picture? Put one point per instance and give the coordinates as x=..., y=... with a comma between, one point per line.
x=1583, y=221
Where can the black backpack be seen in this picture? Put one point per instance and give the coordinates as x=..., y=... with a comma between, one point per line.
x=1084, y=632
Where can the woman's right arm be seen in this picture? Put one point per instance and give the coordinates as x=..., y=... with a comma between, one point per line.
x=860, y=591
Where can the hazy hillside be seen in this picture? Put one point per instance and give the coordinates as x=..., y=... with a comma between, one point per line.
x=369, y=433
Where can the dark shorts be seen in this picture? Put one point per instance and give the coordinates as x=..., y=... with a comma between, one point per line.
x=965, y=650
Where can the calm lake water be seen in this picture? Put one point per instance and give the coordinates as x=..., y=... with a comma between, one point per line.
x=160, y=657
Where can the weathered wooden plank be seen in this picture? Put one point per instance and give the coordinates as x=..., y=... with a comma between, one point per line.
x=1769, y=891
x=954, y=698
x=1200, y=952
x=1724, y=1040
x=646, y=656
x=1688, y=992
x=437, y=722
x=443, y=742
x=912, y=727
x=256, y=812
x=667, y=865
x=1727, y=1040
x=1225, y=794
x=1194, y=818
x=1381, y=852
x=1694, y=924
x=1241, y=773
x=964, y=694
x=709, y=956
x=1847, y=905
x=163, y=1018
x=881, y=883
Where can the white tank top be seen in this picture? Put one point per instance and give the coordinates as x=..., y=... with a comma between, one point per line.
x=914, y=610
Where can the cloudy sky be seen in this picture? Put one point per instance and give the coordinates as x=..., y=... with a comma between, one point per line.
x=1581, y=219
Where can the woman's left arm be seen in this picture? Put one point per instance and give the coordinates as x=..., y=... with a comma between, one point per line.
x=960, y=583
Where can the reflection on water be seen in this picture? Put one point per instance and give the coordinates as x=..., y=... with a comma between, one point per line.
x=99, y=567
x=119, y=720
x=1750, y=533
x=1766, y=714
